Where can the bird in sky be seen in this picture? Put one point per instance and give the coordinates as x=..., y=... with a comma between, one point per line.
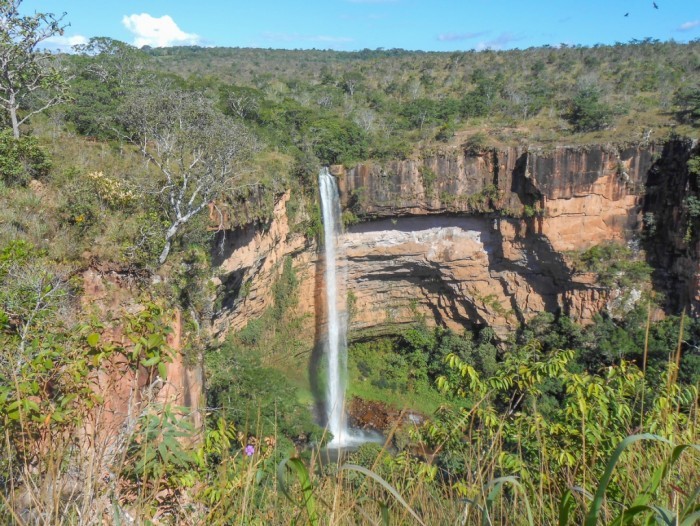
x=655, y=6
x=627, y=14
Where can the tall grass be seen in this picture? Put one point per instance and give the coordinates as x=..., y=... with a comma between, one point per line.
x=230, y=478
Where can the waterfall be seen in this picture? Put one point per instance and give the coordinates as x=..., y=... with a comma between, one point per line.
x=336, y=341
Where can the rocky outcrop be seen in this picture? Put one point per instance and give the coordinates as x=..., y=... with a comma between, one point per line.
x=249, y=260
x=594, y=192
x=459, y=272
x=111, y=293
x=672, y=234
x=456, y=238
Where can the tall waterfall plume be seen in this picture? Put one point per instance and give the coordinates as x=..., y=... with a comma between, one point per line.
x=336, y=340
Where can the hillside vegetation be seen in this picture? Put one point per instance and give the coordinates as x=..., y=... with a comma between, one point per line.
x=153, y=151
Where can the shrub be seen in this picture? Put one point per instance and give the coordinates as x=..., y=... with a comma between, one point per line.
x=476, y=144
x=337, y=141
x=256, y=398
x=21, y=159
x=688, y=101
x=587, y=112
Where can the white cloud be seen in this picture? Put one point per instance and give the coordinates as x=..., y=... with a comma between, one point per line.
x=687, y=26
x=63, y=43
x=157, y=32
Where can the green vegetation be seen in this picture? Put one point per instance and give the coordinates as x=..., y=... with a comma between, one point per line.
x=429, y=178
x=139, y=160
x=587, y=112
x=485, y=200
x=21, y=160
x=616, y=265
x=258, y=400
x=402, y=371
x=400, y=97
x=248, y=376
x=30, y=80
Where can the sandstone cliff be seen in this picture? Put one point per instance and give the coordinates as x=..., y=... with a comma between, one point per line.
x=462, y=238
x=110, y=293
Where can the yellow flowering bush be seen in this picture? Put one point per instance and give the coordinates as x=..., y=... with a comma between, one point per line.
x=113, y=192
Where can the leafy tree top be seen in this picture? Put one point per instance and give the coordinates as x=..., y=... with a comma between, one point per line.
x=29, y=80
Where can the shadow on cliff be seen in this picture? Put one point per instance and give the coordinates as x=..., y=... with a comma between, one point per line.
x=544, y=269
x=318, y=353
x=226, y=243
x=671, y=237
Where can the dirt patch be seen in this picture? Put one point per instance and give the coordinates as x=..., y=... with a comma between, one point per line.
x=378, y=416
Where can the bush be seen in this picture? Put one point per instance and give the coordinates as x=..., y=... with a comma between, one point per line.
x=476, y=144
x=587, y=112
x=256, y=398
x=616, y=266
x=688, y=102
x=21, y=159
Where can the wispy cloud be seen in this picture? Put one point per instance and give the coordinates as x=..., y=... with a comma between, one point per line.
x=499, y=42
x=63, y=43
x=687, y=26
x=451, y=37
x=296, y=37
x=157, y=32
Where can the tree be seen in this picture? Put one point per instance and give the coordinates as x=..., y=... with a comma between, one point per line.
x=103, y=73
x=30, y=291
x=587, y=112
x=337, y=141
x=29, y=81
x=197, y=149
x=241, y=102
x=351, y=81
x=688, y=101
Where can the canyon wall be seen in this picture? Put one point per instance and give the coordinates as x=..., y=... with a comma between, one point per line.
x=463, y=239
x=591, y=191
x=111, y=293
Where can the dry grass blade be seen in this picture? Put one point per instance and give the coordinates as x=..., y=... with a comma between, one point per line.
x=597, y=504
x=386, y=485
x=298, y=468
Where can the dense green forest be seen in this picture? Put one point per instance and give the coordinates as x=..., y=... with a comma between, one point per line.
x=121, y=154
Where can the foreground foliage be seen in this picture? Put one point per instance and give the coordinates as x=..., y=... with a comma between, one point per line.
x=529, y=439
x=560, y=425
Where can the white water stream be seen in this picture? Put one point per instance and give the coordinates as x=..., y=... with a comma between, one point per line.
x=336, y=341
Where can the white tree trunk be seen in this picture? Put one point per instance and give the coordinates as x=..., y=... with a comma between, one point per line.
x=164, y=255
x=169, y=235
x=13, y=116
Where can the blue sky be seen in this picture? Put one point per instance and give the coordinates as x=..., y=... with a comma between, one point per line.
x=435, y=25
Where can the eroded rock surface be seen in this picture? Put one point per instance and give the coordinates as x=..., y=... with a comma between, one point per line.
x=460, y=272
x=459, y=239
x=250, y=259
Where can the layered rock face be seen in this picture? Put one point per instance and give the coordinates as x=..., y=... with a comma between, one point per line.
x=250, y=259
x=458, y=271
x=673, y=234
x=592, y=192
x=457, y=238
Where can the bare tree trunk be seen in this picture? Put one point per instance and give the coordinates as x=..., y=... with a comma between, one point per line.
x=166, y=250
x=169, y=235
x=13, y=116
